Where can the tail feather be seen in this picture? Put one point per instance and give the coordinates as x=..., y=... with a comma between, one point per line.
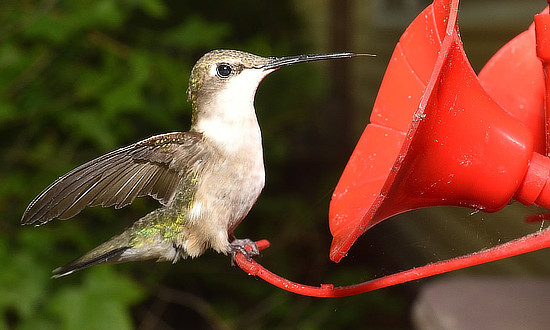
x=86, y=261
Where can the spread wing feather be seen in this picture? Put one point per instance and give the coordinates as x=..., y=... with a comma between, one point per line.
x=151, y=167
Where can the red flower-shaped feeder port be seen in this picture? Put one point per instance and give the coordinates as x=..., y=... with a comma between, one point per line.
x=439, y=135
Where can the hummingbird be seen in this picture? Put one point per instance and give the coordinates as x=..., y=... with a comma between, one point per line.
x=206, y=179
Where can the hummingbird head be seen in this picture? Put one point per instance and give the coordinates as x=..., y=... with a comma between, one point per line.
x=226, y=80
x=223, y=70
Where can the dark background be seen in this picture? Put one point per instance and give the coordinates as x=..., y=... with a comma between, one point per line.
x=80, y=78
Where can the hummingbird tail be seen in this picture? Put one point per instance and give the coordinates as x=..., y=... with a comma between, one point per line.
x=87, y=261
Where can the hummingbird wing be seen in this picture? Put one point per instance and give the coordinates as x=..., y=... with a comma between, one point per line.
x=151, y=167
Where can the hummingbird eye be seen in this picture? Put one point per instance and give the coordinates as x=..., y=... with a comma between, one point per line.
x=224, y=70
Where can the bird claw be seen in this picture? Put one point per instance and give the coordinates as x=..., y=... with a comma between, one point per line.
x=240, y=245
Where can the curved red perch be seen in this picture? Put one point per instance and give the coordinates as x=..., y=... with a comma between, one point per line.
x=518, y=246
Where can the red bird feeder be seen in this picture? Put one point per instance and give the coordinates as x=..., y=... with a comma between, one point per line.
x=438, y=137
x=515, y=80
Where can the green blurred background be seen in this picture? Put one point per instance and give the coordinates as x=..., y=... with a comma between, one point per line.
x=80, y=78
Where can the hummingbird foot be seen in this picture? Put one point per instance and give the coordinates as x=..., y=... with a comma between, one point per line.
x=245, y=246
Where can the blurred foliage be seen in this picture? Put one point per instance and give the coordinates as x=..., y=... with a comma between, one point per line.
x=79, y=78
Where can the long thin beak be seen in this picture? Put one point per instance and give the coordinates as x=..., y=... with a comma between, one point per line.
x=277, y=62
